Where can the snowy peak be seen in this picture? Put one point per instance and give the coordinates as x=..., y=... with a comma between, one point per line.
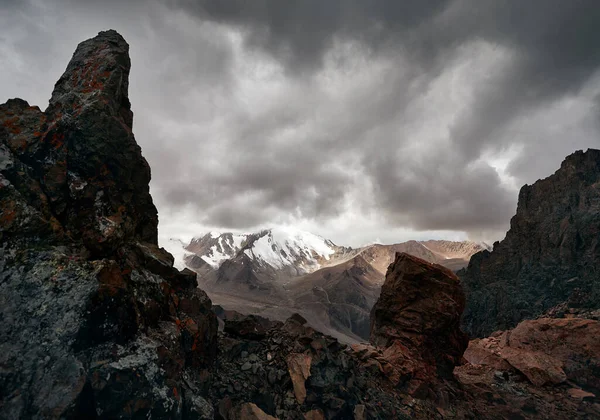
x=284, y=247
x=215, y=247
x=277, y=247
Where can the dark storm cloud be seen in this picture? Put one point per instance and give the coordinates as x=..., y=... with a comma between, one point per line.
x=301, y=32
x=554, y=44
x=268, y=111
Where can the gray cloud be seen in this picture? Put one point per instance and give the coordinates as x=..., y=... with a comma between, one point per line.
x=394, y=114
x=300, y=33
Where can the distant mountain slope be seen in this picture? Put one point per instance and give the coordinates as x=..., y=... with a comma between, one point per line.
x=279, y=271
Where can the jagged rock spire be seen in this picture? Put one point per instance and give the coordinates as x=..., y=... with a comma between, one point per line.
x=80, y=156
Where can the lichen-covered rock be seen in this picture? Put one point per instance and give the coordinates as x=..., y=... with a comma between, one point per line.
x=78, y=163
x=416, y=320
x=96, y=321
x=550, y=256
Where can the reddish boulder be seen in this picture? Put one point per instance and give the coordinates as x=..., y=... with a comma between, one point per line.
x=574, y=342
x=416, y=319
x=545, y=350
x=540, y=368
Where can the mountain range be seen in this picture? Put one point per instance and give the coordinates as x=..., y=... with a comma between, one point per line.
x=276, y=272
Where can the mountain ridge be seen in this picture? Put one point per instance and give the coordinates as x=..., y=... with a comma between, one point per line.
x=333, y=287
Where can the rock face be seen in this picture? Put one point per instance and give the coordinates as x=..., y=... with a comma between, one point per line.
x=416, y=319
x=550, y=256
x=96, y=321
x=545, y=350
x=77, y=167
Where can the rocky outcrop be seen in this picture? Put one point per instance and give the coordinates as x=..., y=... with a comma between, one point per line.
x=550, y=256
x=296, y=372
x=96, y=321
x=545, y=350
x=76, y=168
x=416, y=320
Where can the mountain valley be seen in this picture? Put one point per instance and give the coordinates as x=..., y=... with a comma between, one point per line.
x=277, y=272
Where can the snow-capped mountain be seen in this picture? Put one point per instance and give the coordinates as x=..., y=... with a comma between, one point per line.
x=215, y=247
x=278, y=248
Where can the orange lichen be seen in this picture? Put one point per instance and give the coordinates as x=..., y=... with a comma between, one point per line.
x=57, y=140
x=195, y=344
x=7, y=217
x=11, y=125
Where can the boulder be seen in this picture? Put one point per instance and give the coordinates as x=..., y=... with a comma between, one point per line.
x=539, y=368
x=250, y=411
x=246, y=326
x=299, y=370
x=545, y=350
x=416, y=319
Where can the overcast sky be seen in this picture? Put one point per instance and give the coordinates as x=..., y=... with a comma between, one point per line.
x=360, y=120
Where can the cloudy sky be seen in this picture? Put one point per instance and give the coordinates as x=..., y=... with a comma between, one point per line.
x=360, y=120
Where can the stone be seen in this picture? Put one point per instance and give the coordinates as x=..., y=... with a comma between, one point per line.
x=580, y=394
x=572, y=342
x=550, y=350
x=250, y=411
x=247, y=366
x=296, y=317
x=272, y=376
x=198, y=408
x=539, y=368
x=314, y=415
x=360, y=412
x=99, y=322
x=416, y=318
x=299, y=370
x=245, y=327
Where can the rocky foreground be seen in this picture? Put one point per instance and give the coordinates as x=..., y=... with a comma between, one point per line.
x=96, y=322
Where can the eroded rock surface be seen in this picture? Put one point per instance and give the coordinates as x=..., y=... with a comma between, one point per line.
x=416, y=319
x=545, y=350
x=550, y=256
x=96, y=321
